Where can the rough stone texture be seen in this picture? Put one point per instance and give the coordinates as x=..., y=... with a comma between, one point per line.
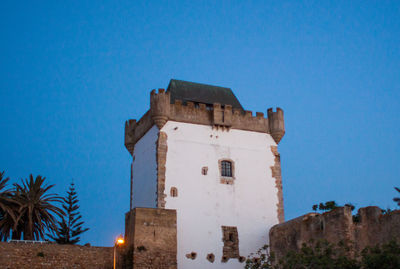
x=32, y=256
x=277, y=174
x=376, y=228
x=230, y=238
x=276, y=124
x=131, y=186
x=162, y=148
x=217, y=116
x=136, y=130
x=159, y=107
x=336, y=226
x=150, y=235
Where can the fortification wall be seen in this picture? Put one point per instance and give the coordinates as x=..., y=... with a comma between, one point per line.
x=336, y=226
x=150, y=239
x=35, y=256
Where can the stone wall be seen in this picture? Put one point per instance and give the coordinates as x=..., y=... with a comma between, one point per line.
x=150, y=239
x=336, y=226
x=34, y=255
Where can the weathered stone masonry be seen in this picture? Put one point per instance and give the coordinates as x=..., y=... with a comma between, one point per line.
x=161, y=111
x=150, y=239
x=54, y=256
x=336, y=226
x=162, y=148
x=277, y=174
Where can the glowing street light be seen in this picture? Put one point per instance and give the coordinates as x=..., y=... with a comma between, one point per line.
x=120, y=241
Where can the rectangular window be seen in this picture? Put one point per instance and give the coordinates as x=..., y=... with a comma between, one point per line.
x=226, y=169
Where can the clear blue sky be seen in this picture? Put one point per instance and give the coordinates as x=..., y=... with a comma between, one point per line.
x=72, y=72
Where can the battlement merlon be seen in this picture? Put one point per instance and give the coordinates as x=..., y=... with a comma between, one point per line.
x=216, y=115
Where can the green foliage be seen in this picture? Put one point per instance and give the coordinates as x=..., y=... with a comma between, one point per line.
x=386, y=211
x=26, y=209
x=8, y=209
x=262, y=259
x=70, y=227
x=320, y=255
x=323, y=254
x=327, y=206
x=35, y=212
x=397, y=199
x=330, y=205
x=385, y=257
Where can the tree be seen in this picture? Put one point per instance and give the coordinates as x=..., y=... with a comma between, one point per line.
x=8, y=209
x=322, y=255
x=327, y=206
x=386, y=256
x=70, y=227
x=318, y=255
x=35, y=208
x=397, y=199
x=262, y=259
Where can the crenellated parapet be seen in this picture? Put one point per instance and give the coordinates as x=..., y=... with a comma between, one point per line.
x=134, y=130
x=218, y=116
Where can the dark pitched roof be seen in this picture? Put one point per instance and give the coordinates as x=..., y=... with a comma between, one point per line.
x=201, y=93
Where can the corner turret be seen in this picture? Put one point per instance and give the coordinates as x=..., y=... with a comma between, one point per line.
x=159, y=107
x=130, y=126
x=276, y=124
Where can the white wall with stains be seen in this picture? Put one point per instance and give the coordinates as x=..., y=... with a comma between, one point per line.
x=204, y=204
x=144, y=171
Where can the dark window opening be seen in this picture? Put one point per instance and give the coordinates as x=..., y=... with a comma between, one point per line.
x=226, y=169
x=204, y=170
x=231, y=237
x=174, y=192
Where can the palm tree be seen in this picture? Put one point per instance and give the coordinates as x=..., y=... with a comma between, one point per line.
x=8, y=209
x=397, y=199
x=35, y=214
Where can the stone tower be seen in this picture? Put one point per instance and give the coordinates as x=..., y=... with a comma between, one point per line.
x=198, y=152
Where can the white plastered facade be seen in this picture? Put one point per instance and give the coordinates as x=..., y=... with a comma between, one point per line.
x=204, y=204
x=144, y=171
